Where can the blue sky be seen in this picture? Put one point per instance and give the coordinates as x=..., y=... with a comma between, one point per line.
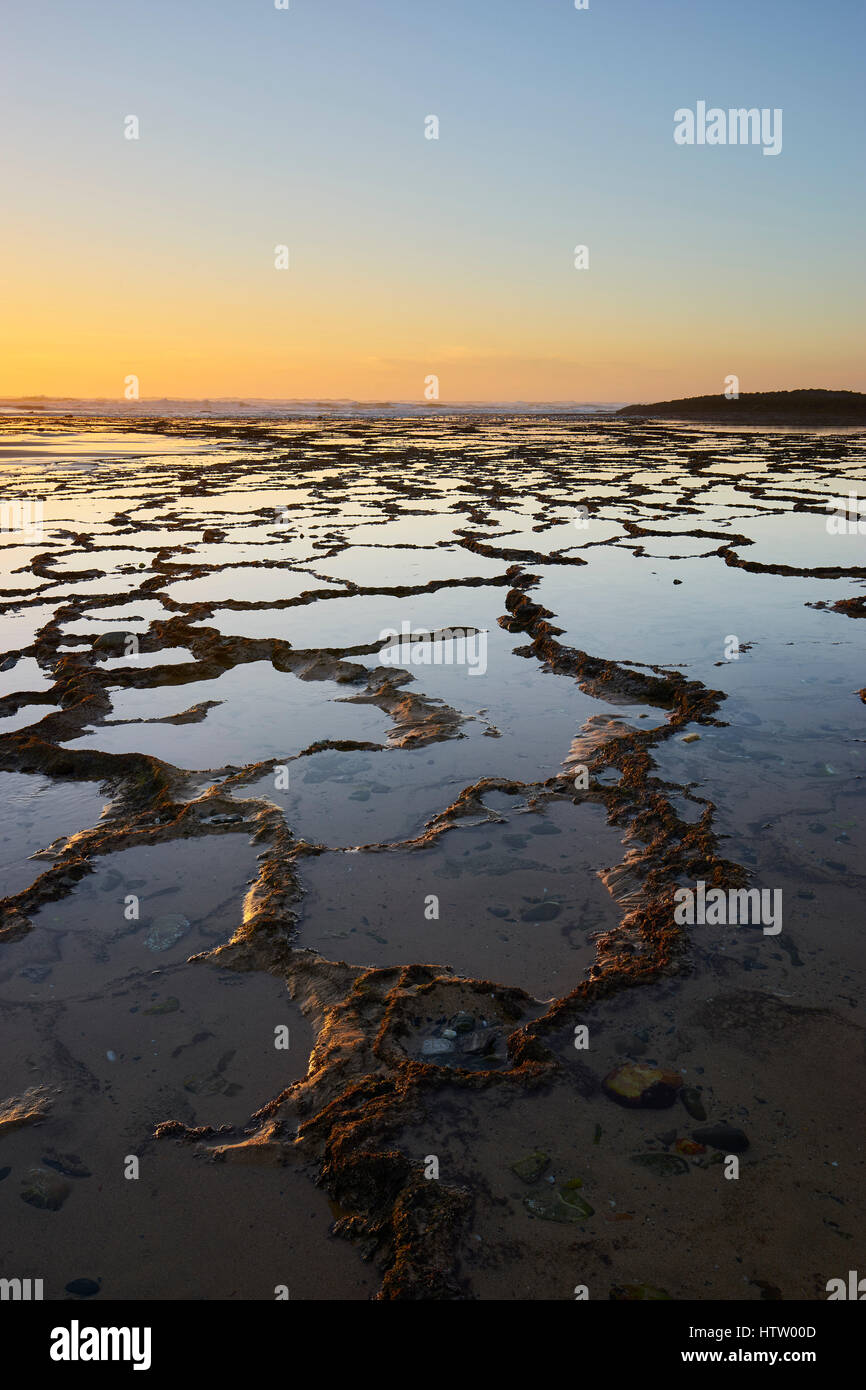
x=305, y=127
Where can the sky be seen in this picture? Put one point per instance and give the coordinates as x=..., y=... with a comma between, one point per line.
x=413, y=258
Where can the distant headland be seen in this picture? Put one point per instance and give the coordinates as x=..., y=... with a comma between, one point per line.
x=810, y=407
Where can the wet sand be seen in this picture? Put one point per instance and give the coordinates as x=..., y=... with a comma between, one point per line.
x=229, y=811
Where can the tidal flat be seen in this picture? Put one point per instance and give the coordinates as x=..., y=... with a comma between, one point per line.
x=326, y=974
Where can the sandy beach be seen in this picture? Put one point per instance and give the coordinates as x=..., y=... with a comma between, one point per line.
x=352, y=968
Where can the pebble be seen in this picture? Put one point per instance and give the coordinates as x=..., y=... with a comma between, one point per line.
x=462, y=1023
x=641, y=1087
x=663, y=1165
x=688, y=1148
x=166, y=931
x=691, y=1099
x=83, y=1288
x=722, y=1136
x=565, y=1206
x=541, y=912
x=530, y=1169
x=70, y=1165
x=44, y=1189
x=632, y=1293
x=169, y=1006
x=481, y=1040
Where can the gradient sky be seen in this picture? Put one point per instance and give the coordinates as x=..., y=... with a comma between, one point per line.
x=412, y=256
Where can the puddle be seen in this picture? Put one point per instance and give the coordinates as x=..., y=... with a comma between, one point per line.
x=525, y=894
x=34, y=812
